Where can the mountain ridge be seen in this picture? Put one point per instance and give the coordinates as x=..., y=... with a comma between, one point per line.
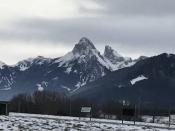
x=82, y=65
x=149, y=80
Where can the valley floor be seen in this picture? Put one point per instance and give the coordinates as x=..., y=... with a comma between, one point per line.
x=33, y=122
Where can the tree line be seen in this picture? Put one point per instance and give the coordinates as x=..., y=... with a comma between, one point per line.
x=55, y=103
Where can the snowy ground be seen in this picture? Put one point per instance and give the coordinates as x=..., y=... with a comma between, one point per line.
x=32, y=122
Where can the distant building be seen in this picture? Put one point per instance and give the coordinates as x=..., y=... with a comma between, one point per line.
x=4, y=107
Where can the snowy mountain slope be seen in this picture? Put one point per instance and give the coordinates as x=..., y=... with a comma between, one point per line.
x=84, y=64
x=114, y=56
x=83, y=52
x=85, y=72
x=26, y=64
x=151, y=79
x=117, y=61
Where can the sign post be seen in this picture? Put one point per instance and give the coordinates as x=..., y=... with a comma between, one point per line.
x=86, y=110
x=169, y=116
x=135, y=114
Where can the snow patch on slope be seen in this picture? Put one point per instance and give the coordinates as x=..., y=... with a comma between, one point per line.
x=23, y=67
x=68, y=70
x=40, y=88
x=2, y=65
x=6, y=89
x=66, y=88
x=102, y=60
x=26, y=64
x=65, y=59
x=8, y=81
x=139, y=78
x=119, y=65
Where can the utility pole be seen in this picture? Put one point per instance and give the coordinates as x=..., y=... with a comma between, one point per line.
x=6, y=110
x=139, y=102
x=154, y=115
x=122, y=110
x=19, y=107
x=169, y=116
x=135, y=114
x=70, y=107
x=91, y=113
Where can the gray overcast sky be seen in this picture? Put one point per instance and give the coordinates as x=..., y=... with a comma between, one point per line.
x=51, y=28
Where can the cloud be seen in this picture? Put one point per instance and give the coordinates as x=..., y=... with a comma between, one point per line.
x=11, y=53
x=137, y=31
x=138, y=7
x=137, y=27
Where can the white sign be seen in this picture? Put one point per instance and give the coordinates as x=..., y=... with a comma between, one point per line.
x=86, y=109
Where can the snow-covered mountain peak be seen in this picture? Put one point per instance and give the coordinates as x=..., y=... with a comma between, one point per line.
x=84, y=52
x=86, y=42
x=40, y=60
x=25, y=64
x=114, y=56
x=117, y=61
x=84, y=47
x=109, y=52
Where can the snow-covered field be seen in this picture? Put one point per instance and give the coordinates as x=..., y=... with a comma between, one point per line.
x=32, y=122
